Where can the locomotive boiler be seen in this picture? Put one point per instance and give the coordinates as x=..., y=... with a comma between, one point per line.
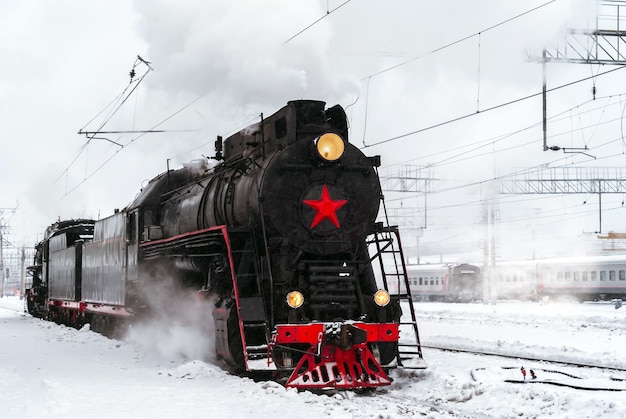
x=280, y=237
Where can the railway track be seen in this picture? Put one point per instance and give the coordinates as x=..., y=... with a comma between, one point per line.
x=529, y=358
x=601, y=381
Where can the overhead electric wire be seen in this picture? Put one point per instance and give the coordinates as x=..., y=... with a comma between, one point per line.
x=462, y=150
x=459, y=118
x=117, y=108
x=555, y=118
x=107, y=106
x=458, y=41
x=501, y=177
x=448, y=161
x=518, y=172
x=226, y=134
x=549, y=221
x=126, y=146
x=432, y=52
x=558, y=212
x=125, y=97
x=328, y=12
x=587, y=143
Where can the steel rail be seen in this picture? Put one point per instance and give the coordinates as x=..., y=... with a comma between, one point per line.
x=529, y=358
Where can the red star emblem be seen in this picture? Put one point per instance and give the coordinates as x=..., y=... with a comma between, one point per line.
x=326, y=208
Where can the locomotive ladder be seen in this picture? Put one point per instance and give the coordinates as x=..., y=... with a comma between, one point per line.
x=394, y=275
x=254, y=321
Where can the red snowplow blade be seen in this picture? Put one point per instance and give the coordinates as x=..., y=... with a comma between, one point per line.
x=336, y=368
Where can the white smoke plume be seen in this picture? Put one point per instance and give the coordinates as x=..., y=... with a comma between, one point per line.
x=180, y=323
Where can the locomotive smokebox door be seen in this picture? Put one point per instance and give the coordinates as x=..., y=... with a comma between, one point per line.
x=326, y=209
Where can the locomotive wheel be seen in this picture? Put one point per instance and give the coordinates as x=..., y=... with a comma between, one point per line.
x=387, y=351
x=234, y=341
x=98, y=324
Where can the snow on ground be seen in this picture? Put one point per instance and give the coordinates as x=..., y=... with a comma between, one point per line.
x=53, y=371
x=593, y=333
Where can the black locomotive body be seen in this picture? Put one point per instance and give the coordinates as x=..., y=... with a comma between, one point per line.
x=59, y=256
x=280, y=236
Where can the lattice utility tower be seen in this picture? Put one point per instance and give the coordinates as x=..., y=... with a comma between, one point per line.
x=4, y=244
x=569, y=180
x=416, y=179
x=409, y=179
x=603, y=43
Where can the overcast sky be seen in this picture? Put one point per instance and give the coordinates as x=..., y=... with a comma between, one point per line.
x=398, y=67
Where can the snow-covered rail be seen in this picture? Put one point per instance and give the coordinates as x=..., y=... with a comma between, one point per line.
x=529, y=358
x=520, y=375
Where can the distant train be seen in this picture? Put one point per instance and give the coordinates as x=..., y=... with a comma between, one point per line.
x=278, y=242
x=578, y=278
x=446, y=282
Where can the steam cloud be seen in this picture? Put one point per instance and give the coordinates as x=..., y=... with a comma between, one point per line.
x=180, y=324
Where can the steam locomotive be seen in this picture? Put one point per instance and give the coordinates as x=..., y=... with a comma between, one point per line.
x=280, y=239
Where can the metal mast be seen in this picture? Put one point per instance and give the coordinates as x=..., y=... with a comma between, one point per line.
x=603, y=43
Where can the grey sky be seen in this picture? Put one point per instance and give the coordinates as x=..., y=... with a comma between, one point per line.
x=218, y=65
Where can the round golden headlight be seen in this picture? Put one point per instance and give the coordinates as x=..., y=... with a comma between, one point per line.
x=382, y=298
x=295, y=299
x=330, y=146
